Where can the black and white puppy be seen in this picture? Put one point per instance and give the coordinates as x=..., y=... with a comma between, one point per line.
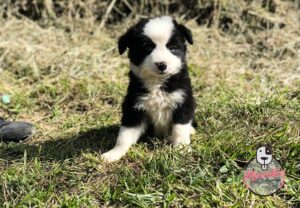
x=159, y=95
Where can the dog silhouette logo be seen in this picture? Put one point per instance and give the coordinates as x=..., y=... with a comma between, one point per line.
x=264, y=156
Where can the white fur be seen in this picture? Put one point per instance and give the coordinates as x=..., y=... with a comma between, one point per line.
x=159, y=30
x=159, y=106
x=181, y=133
x=126, y=138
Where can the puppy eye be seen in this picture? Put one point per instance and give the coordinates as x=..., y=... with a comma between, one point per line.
x=148, y=47
x=172, y=48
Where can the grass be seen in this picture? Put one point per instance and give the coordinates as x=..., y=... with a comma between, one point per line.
x=71, y=85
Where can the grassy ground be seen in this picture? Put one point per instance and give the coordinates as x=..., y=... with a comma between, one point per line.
x=71, y=82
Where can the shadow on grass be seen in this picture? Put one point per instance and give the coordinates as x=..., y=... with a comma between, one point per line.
x=93, y=140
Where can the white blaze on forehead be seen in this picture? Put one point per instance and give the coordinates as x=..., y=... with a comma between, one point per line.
x=159, y=29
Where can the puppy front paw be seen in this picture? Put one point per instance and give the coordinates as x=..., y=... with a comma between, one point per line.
x=179, y=141
x=181, y=134
x=112, y=156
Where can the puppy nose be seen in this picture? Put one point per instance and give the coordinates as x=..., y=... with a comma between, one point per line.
x=162, y=66
x=264, y=158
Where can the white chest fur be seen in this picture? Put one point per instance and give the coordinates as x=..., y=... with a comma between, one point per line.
x=159, y=106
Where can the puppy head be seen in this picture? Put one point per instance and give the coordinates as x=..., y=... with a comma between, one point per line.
x=156, y=46
x=264, y=155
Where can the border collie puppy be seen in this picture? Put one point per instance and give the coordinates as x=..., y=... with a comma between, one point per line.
x=159, y=95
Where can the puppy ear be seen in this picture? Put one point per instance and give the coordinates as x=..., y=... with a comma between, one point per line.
x=187, y=34
x=123, y=43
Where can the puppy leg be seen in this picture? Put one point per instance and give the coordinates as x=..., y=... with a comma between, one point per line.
x=181, y=134
x=126, y=138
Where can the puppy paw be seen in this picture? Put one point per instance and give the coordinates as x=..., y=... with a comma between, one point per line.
x=111, y=156
x=177, y=142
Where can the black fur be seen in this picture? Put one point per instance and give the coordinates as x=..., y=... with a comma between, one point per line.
x=186, y=33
